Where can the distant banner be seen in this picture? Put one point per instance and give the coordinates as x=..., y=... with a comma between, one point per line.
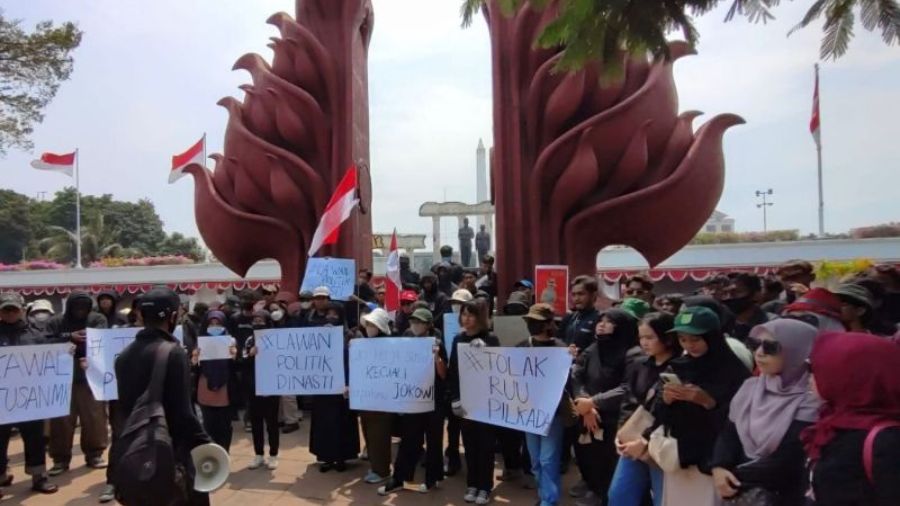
x=35, y=382
x=338, y=274
x=102, y=348
x=215, y=347
x=517, y=388
x=392, y=374
x=451, y=329
x=307, y=361
x=551, y=286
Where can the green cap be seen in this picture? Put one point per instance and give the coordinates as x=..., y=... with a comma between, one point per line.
x=696, y=321
x=635, y=307
x=422, y=314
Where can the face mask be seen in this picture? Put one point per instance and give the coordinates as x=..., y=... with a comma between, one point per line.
x=739, y=304
x=455, y=308
x=40, y=317
x=419, y=329
x=215, y=330
x=277, y=315
x=333, y=321
x=305, y=305
x=258, y=326
x=371, y=331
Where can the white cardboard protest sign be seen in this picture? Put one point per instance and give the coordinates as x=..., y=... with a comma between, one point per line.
x=392, y=374
x=302, y=361
x=102, y=348
x=215, y=347
x=35, y=382
x=517, y=388
x=179, y=334
x=451, y=329
x=338, y=274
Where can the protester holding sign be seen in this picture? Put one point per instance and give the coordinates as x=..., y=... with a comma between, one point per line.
x=70, y=327
x=215, y=390
x=334, y=431
x=263, y=409
x=414, y=427
x=597, y=379
x=14, y=331
x=376, y=425
x=478, y=437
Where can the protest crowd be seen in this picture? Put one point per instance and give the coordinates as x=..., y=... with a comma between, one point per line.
x=756, y=390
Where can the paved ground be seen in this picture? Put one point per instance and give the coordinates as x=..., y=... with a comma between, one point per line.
x=297, y=481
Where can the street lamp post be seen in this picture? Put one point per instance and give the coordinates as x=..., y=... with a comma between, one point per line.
x=765, y=204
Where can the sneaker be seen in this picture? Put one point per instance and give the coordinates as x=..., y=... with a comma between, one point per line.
x=424, y=488
x=256, y=463
x=108, y=494
x=43, y=486
x=590, y=499
x=373, y=478
x=58, y=469
x=272, y=463
x=471, y=494
x=324, y=467
x=484, y=497
x=391, y=486
x=96, y=463
x=290, y=427
x=579, y=490
x=340, y=466
x=510, y=475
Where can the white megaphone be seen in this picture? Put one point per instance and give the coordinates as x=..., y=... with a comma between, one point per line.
x=212, y=466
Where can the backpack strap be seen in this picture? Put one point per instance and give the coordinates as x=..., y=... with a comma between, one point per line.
x=158, y=377
x=869, y=446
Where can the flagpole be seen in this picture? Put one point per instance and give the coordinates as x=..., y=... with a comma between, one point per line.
x=78, y=264
x=819, y=156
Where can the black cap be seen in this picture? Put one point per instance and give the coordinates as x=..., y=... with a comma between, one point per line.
x=159, y=303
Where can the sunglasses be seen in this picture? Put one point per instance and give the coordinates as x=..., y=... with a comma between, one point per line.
x=767, y=346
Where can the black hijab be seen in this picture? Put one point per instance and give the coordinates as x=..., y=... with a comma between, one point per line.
x=613, y=347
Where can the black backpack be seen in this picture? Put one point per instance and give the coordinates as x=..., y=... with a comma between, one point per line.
x=146, y=472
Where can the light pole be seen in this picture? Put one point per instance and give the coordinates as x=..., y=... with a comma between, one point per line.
x=765, y=204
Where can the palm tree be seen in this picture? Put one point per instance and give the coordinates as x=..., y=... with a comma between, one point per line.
x=599, y=29
x=97, y=241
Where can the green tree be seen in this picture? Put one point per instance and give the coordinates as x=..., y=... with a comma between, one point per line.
x=178, y=244
x=98, y=240
x=598, y=30
x=32, y=66
x=16, y=224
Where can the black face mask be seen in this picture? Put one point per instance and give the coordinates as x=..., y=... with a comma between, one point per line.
x=333, y=321
x=258, y=327
x=738, y=305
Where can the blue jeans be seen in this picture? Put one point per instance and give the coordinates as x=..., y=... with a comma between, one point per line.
x=631, y=481
x=546, y=452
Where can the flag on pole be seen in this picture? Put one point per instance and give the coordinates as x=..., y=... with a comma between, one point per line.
x=56, y=163
x=814, y=121
x=194, y=154
x=336, y=212
x=393, y=285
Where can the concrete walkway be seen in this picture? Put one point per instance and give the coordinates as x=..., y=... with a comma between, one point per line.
x=297, y=481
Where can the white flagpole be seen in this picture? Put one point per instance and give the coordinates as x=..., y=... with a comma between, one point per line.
x=78, y=264
x=819, y=156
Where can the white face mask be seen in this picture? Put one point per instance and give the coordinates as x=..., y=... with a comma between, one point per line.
x=215, y=330
x=277, y=315
x=40, y=317
x=455, y=308
x=372, y=330
x=419, y=329
x=305, y=305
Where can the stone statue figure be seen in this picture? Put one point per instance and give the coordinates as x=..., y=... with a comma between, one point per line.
x=466, y=234
x=482, y=243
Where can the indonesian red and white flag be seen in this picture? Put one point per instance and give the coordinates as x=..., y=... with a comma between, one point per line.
x=814, y=126
x=194, y=154
x=393, y=285
x=56, y=163
x=336, y=212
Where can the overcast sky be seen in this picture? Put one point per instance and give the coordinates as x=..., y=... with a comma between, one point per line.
x=148, y=75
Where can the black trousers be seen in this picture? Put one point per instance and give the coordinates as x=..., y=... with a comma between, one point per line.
x=414, y=428
x=453, y=432
x=116, y=421
x=264, y=411
x=597, y=463
x=217, y=423
x=478, y=439
x=33, y=436
x=514, y=450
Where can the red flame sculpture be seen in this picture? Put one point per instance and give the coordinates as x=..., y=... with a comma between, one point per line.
x=302, y=123
x=581, y=162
